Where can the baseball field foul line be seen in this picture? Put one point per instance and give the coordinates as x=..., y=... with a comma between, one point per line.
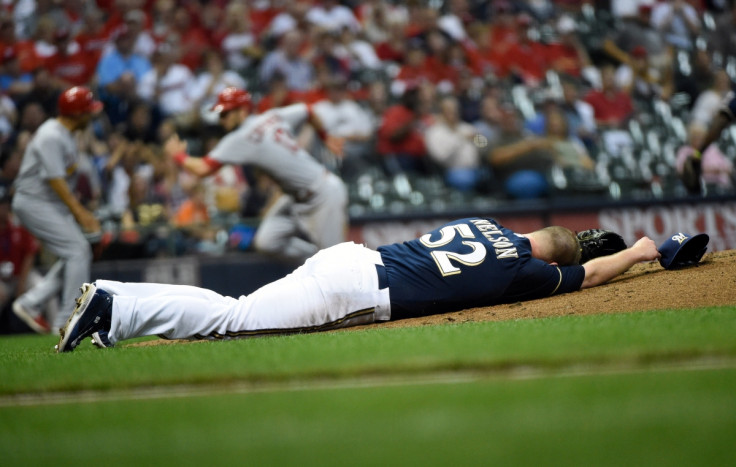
x=523, y=372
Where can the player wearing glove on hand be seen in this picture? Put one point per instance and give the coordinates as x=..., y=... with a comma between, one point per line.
x=46, y=206
x=598, y=242
x=311, y=212
x=466, y=263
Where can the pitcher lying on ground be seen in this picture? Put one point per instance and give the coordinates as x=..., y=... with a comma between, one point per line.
x=466, y=263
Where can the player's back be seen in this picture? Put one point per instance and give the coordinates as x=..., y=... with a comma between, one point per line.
x=466, y=263
x=267, y=142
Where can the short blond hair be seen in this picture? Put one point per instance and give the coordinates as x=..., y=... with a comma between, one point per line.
x=564, y=248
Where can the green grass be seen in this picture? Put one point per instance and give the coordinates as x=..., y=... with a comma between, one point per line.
x=672, y=418
x=367, y=397
x=30, y=365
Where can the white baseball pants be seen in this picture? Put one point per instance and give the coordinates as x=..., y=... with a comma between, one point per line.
x=61, y=235
x=337, y=287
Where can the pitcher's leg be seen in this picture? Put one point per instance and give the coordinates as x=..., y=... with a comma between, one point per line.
x=335, y=288
x=202, y=313
x=148, y=289
x=175, y=317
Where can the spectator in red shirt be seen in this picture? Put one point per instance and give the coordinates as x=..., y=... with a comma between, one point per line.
x=261, y=15
x=414, y=69
x=192, y=39
x=69, y=65
x=44, y=45
x=422, y=17
x=439, y=62
x=93, y=37
x=393, y=49
x=23, y=49
x=485, y=56
x=611, y=106
x=504, y=30
x=400, y=142
x=568, y=55
x=526, y=60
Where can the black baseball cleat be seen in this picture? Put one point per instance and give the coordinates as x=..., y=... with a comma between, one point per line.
x=93, y=313
x=691, y=172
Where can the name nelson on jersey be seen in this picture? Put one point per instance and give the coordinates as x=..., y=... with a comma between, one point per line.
x=503, y=247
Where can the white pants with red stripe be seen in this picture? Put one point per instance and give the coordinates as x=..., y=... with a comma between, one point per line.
x=337, y=287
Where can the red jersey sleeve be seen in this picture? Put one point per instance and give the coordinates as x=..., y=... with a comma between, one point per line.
x=215, y=165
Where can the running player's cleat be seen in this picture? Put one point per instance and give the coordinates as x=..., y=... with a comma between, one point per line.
x=93, y=313
x=691, y=172
x=32, y=317
x=100, y=340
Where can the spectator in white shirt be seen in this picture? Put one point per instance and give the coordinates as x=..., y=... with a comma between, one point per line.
x=165, y=85
x=287, y=60
x=452, y=22
x=628, y=8
x=209, y=82
x=145, y=45
x=709, y=101
x=678, y=21
x=449, y=142
x=344, y=118
x=361, y=53
x=329, y=14
x=239, y=44
x=377, y=15
x=293, y=17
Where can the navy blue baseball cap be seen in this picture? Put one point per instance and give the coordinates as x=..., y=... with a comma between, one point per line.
x=682, y=250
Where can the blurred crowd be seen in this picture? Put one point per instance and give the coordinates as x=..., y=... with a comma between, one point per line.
x=502, y=99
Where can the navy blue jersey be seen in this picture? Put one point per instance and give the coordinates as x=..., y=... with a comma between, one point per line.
x=468, y=263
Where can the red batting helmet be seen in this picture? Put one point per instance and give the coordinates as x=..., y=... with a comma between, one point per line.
x=232, y=98
x=77, y=101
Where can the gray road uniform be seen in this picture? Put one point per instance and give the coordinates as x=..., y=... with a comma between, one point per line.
x=52, y=153
x=311, y=214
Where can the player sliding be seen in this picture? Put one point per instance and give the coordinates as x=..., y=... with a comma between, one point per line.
x=311, y=212
x=466, y=263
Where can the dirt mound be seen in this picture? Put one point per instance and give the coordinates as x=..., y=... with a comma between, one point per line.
x=644, y=287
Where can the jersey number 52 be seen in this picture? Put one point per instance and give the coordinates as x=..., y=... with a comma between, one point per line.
x=443, y=258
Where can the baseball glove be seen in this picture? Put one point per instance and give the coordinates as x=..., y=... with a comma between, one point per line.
x=598, y=242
